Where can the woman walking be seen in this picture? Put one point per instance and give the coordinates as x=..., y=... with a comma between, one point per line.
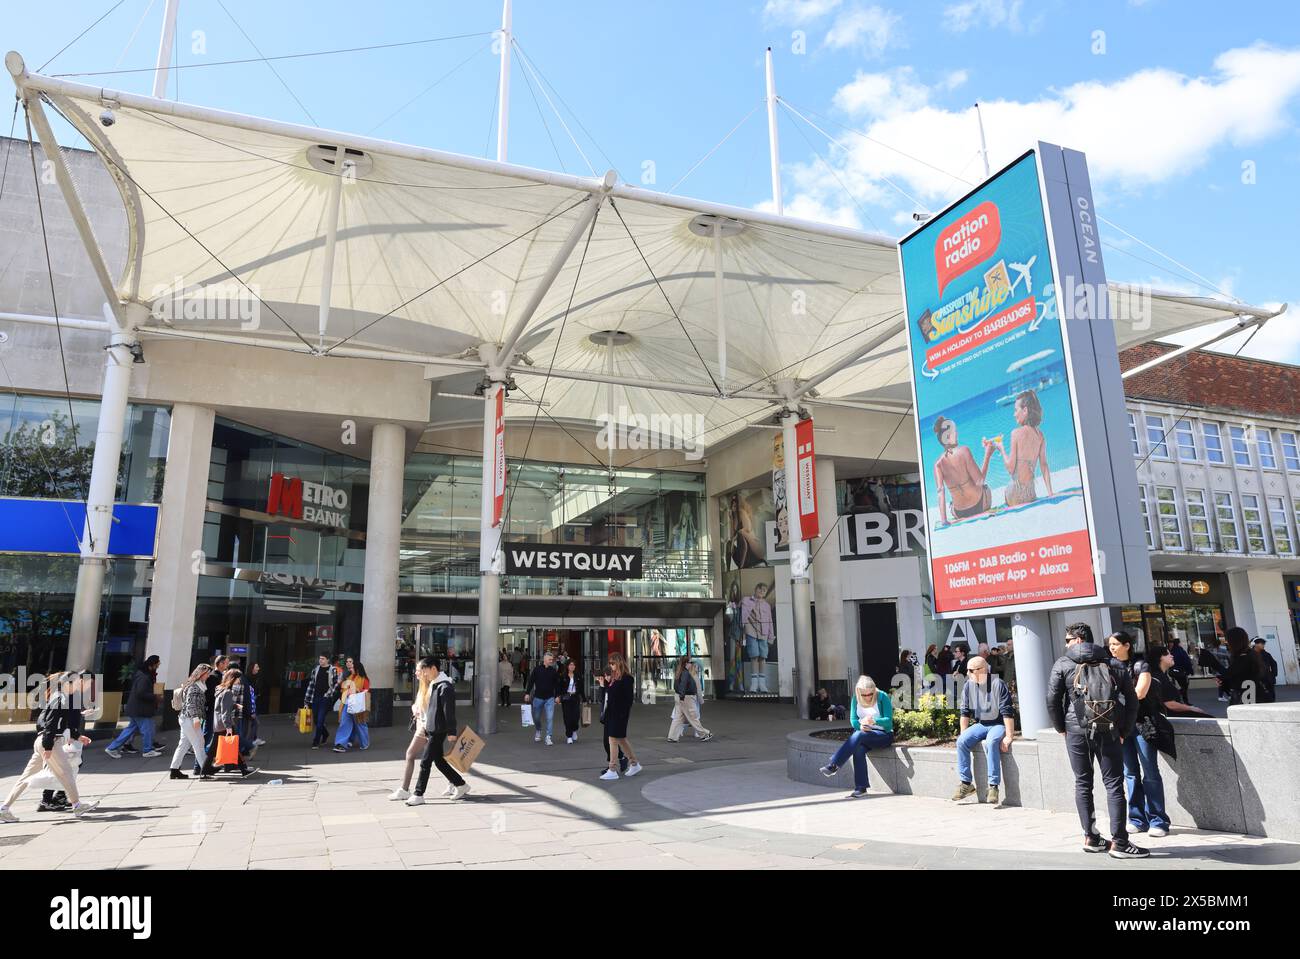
x=571, y=699
x=1146, y=789
x=420, y=734
x=62, y=714
x=194, y=694
x=1243, y=678
x=618, y=710
x=225, y=720
x=872, y=716
x=353, y=723
x=686, y=708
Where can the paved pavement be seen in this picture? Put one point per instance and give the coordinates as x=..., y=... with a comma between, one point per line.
x=721, y=804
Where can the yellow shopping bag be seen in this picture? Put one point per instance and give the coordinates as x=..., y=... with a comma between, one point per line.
x=304, y=720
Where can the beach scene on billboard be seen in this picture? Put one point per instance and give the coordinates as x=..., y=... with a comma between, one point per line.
x=1004, y=494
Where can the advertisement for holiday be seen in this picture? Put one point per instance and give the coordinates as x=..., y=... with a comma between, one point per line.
x=996, y=428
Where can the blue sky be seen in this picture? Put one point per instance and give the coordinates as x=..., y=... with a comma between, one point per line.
x=1188, y=115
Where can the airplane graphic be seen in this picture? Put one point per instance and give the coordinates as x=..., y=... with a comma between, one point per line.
x=1022, y=273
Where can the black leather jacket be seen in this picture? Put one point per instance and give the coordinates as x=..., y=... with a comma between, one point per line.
x=1060, y=700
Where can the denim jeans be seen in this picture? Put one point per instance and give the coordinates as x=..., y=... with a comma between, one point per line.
x=1146, y=790
x=547, y=706
x=349, y=727
x=320, y=714
x=857, y=746
x=190, y=739
x=142, y=724
x=991, y=737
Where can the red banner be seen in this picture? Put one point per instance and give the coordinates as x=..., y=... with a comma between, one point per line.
x=806, y=473
x=1034, y=571
x=499, y=461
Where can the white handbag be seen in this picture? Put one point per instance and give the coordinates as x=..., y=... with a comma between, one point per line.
x=356, y=703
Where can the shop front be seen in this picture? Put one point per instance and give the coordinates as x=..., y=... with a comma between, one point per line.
x=1190, y=607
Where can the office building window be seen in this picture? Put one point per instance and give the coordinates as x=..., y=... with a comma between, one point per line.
x=1198, y=520
x=1156, y=436
x=1171, y=530
x=1264, y=440
x=1133, y=435
x=1254, y=523
x=1213, y=442
x=1240, y=450
x=1146, y=516
x=1226, y=518
x=1290, y=450
x=1186, y=437
x=1277, y=520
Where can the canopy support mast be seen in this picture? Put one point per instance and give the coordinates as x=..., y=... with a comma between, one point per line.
x=805, y=665
x=342, y=168
x=507, y=39
x=773, y=143
x=166, y=43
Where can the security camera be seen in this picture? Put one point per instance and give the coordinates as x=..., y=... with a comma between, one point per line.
x=921, y=217
x=106, y=118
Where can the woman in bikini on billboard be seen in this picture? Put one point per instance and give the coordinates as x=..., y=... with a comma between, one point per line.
x=1028, y=449
x=956, y=471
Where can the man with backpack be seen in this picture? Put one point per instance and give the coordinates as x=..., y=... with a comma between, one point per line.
x=1091, y=700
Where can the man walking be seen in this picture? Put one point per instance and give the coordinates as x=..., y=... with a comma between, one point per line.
x=1091, y=700
x=543, y=690
x=440, y=726
x=322, y=691
x=140, y=707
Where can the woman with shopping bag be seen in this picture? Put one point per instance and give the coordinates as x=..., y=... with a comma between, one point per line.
x=193, y=696
x=354, y=706
x=60, y=719
x=224, y=748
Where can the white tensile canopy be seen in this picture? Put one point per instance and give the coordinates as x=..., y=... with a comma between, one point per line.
x=663, y=306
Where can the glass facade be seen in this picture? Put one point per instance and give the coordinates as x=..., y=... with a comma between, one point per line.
x=47, y=445
x=278, y=589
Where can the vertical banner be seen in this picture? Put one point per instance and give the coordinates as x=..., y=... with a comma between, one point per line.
x=780, y=504
x=807, y=472
x=499, y=462
x=997, y=417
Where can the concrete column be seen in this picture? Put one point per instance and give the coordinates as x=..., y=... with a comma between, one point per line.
x=88, y=600
x=1259, y=607
x=180, y=541
x=828, y=589
x=487, y=638
x=1031, y=633
x=383, y=547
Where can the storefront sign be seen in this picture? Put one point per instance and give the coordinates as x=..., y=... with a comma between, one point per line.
x=807, y=473
x=572, y=562
x=54, y=526
x=499, y=462
x=1189, y=588
x=317, y=503
x=1002, y=465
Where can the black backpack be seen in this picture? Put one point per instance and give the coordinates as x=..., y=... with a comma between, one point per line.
x=1096, y=703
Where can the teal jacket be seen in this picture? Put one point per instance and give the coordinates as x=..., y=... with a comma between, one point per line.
x=883, y=703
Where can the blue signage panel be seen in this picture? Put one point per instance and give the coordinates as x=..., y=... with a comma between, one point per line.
x=55, y=526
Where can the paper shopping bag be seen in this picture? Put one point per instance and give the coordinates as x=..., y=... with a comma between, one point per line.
x=465, y=750
x=526, y=714
x=586, y=714
x=227, y=750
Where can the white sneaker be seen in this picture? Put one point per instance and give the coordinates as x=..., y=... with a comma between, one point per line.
x=415, y=801
x=399, y=794
x=81, y=808
x=548, y=741
x=7, y=816
x=259, y=742
x=449, y=791
x=115, y=753
x=607, y=774
x=151, y=754
x=460, y=791
x=1159, y=832
x=537, y=737
x=568, y=740
x=633, y=769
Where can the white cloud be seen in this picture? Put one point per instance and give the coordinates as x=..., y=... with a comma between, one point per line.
x=1147, y=128
x=960, y=17
x=794, y=12
x=882, y=94
x=871, y=29
x=955, y=79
